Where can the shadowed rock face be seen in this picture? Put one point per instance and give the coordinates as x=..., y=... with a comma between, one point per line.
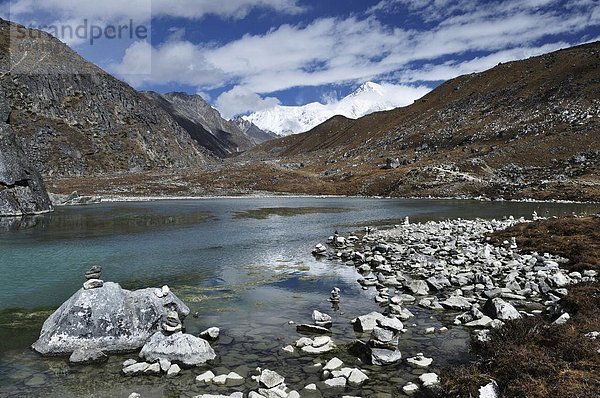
x=110, y=318
x=205, y=125
x=22, y=190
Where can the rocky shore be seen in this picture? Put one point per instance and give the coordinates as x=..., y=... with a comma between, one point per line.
x=448, y=267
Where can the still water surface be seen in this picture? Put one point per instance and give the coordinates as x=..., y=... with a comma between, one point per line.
x=243, y=265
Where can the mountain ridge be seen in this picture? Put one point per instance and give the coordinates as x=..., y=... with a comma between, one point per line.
x=204, y=123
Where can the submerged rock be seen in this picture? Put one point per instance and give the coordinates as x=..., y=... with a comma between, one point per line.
x=109, y=317
x=84, y=356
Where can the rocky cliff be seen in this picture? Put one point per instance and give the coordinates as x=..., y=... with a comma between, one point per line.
x=73, y=119
x=22, y=190
x=256, y=134
x=204, y=123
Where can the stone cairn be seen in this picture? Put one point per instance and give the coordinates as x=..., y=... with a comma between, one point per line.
x=173, y=323
x=92, y=277
x=335, y=295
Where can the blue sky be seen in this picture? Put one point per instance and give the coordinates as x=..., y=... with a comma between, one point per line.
x=247, y=55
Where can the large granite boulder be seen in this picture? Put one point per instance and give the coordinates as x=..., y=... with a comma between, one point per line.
x=22, y=190
x=110, y=318
x=177, y=347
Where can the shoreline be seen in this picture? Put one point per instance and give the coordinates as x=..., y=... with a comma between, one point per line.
x=270, y=195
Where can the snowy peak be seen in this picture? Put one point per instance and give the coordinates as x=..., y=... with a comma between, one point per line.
x=368, y=87
x=368, y=98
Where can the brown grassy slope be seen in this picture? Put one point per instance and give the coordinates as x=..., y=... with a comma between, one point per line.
x=484, y=99
x=530, y=357
x=577, y=239
x=513, y=131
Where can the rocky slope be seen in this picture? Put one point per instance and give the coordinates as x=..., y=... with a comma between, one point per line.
x=22, y=190
x=73, y=119
x=205, y=124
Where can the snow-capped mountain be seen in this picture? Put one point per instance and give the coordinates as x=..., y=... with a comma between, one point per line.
x=368, y=98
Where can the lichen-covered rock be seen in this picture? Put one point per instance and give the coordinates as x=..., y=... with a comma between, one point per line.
x=109, y=317
x=178, y=347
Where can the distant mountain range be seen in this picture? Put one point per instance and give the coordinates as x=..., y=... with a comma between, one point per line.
x=523, y=129
x=368, y=98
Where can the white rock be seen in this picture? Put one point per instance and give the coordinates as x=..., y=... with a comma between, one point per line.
x=489, y=390
x=220, y=380
x=410, y=388
x=211, y=333
x=303, y=342
x=333, y=364
x=357, y=378
x=419, y=361
x=366, y=323
x=173, y=370
x=135, y=369
x=429, y=379
x=129, y=362
x=562, y=319
x=93, y=284
x=270, y=379
x=153, y=368
x=165, y=364
x=205, y=377
x=337, y=382
x=320, y=317
x=289, y=349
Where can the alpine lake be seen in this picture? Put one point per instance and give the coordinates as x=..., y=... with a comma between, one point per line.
x=243, y=265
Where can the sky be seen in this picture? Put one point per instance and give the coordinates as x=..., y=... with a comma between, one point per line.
x=248, y=55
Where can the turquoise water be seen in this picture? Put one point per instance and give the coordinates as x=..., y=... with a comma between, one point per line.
x=248, y=276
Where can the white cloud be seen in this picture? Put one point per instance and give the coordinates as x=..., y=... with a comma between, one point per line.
x=142, y=9
x=337, y=51
x=451, y=69
x=242, y=100
x=172, y=62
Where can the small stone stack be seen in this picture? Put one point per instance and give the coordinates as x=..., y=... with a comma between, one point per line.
x=383, y=344
x=92, y=277
x=322, y=324
x=335, y=295
x=173, y=323
x=322, y=319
